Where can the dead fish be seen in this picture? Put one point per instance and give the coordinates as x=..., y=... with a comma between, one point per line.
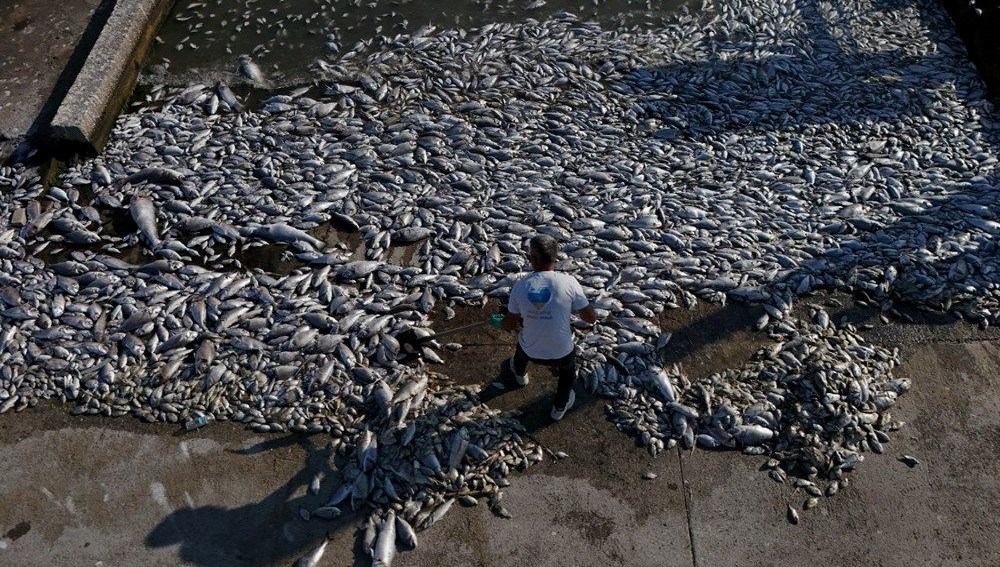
x=792, y=515
x=327, y=512
x=410, y=389
x=158, y=175
x=501, y=511
x=312, y=558
x=439, y=512
x=748, y=435
x=204, y=356
x=144, y=214
x=459, y=445
x=252, y=71
x=411, y=234
x=135, y=320
x=661, y=381
x=281, y=232
x=385, y=545
x=316, y=483
x=405, y=533
x=228, y=96
x=663, y=340
x=36, y=224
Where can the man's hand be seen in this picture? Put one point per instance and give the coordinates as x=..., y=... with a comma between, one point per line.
x=588, y=314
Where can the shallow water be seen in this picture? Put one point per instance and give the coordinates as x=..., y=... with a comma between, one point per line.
x=203, y=39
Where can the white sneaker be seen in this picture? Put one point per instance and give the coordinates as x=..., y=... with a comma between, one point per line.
x=558, y=414
x=521, y=380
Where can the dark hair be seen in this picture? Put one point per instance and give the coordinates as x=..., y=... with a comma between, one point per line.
x=544, y=247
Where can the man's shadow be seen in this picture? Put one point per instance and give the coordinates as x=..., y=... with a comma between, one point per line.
x=262, y=533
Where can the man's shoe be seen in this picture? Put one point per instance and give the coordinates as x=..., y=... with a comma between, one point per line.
x=521, y=380
x=558, y=414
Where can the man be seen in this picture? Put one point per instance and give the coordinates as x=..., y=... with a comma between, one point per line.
x=540, y=307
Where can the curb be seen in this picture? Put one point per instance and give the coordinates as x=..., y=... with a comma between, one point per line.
x=100, y=90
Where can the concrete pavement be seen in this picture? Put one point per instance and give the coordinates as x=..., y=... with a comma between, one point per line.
x=93, y=491
x=937, y=513
x=41, y=50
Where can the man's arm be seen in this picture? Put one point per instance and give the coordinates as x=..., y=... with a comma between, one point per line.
x=511, y=322
x=582, y=306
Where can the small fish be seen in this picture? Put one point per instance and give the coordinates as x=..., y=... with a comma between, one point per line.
x=327, y=512
x=649, y=475
x=908, y=460
x=793, y=515
x=312, y=558
x=500, y=510
x=316, y=483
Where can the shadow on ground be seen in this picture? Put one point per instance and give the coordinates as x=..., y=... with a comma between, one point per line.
x=246, y=536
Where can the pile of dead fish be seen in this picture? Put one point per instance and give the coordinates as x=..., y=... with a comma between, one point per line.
x=421, y=449
x=814, y=401
x=739, y=154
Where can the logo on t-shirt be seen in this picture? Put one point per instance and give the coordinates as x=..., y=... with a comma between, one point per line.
x=539, y=293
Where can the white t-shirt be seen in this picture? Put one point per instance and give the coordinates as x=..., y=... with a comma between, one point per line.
x=545, y=301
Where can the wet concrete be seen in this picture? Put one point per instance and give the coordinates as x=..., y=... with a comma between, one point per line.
x=78, y=490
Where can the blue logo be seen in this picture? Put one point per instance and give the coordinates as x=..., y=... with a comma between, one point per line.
x=539, y=294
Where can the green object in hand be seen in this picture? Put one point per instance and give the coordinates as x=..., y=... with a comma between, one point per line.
x=496, y=319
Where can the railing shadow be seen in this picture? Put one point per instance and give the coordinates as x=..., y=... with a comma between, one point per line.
x=935, y=241
x=806, y=79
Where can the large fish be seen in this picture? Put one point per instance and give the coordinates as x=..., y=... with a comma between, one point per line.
x=158, y=175
x=385, y=545
x=252, y=71
x=144, y=214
